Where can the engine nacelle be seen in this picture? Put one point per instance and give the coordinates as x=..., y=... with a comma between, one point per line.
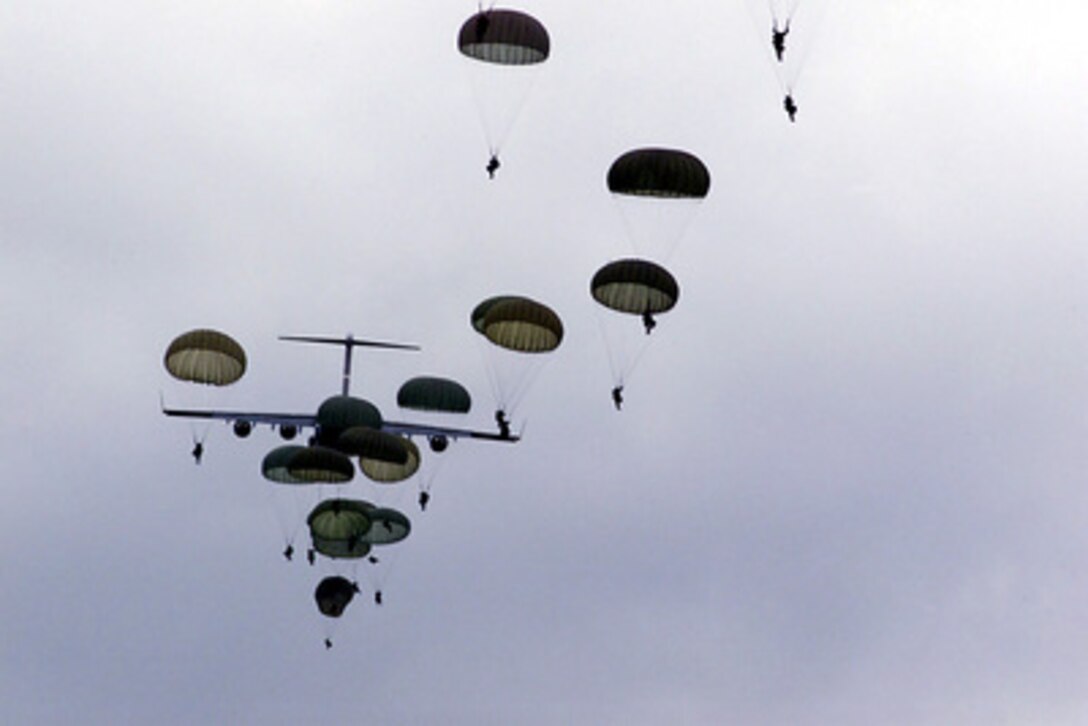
x=438, y=443
x=288, y=432
x=242, y=428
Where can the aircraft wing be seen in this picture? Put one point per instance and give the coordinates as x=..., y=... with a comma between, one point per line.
x=299, y=420
x=309, y=420
x=411, y=429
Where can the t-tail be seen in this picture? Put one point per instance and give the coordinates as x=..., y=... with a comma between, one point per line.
x=349, y=343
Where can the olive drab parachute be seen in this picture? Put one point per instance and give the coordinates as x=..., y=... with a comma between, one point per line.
x=523, y=325
x=635, y=286
x=657, y=191
x=663, y=173
x=505, y=37
x=370, y=443
x=333, y=595
x=274, y=467
x=205, y=356
x=517, y=330
x=504, y=48
x=344, y=548
x=337, y=414
x=320, y=464
x=632, y=287
x=430, y=393
x=391, y=472
x=297, y=494
x=387, y=526
x=479, y=313
x=343, y=520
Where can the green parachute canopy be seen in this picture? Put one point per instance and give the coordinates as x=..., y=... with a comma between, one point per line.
x=372, y=444
x=523, y=325
x=205, y=356
x=479, y=313
x=665, y=173
x=387, y=526
x=274, y=467
x=386, y=472
x=320, y=464
x=635, y=286
x=340, y=519
x=333, y=594
x=429, y=393
x=506, y=37
x=354, y=547
x=337, y=414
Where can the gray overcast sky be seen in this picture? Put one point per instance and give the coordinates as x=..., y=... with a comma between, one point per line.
x=848, y=482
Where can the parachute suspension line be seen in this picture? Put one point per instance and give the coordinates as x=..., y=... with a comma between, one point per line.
x=761, y=33
x=377, y=574
x=520, y=384
x=492, y=374
x=622, y=360
x=426, y=479
x=641, y=351
x=498, y=83
x=288, y=510
x=614, y=365
x=199, y=429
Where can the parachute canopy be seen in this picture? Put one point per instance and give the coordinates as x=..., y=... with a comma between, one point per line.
x=479, y=313
x=320, y=464
x=337, y=414
x=274, y=467
x=428, y=393
x=372, y=444
x=348, y=548
x=522, y=325
x=340, y=519
x=333, y=594
x=205, y=356
x=665, y=173
x=635, y=286
x=388, y=472
x=506, y=37
x=387, y=526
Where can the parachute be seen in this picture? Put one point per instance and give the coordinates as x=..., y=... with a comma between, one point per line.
x=515, y=326
x=349, y=548
x=337, y=414
x=338, y=524
x=390, y=472
x=210, y=358
x=320, y=464
x=387, y=526
x=657, y=192
x=504, y=37
x=372, y=444
x=292, y=501
x=635, y=286
x=428, y=393
x=333, y=594
x=274, y=467
x=663, y=173
x=479, y=313
x=523, y=325
x=632, y=287
x=205, y=356
x=503, y=49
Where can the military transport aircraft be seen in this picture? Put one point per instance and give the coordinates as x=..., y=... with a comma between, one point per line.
x=343, y=422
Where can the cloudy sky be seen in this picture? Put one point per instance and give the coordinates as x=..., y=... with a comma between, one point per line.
x=848, y=482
